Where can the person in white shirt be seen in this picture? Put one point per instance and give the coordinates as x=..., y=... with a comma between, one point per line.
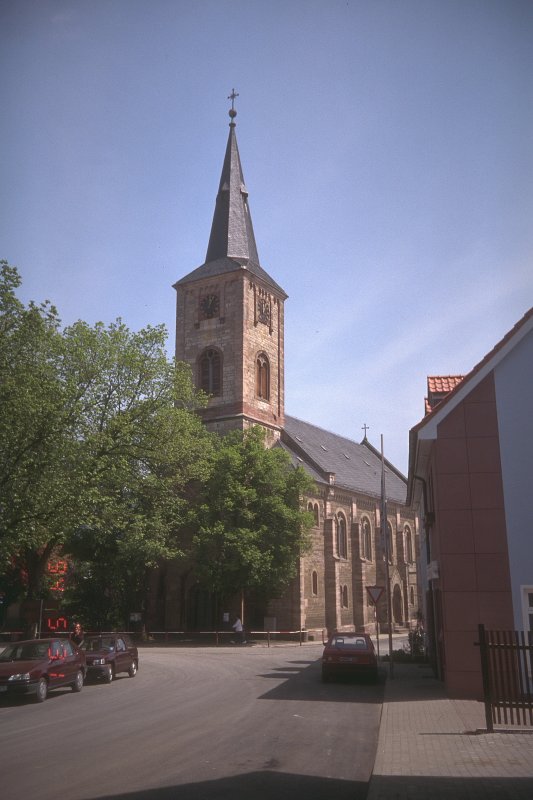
x=239, y=630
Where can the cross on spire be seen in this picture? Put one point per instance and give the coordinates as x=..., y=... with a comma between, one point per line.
x=365, y=428
x=232, y=97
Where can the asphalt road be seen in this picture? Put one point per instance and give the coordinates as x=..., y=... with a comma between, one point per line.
x=197, y=724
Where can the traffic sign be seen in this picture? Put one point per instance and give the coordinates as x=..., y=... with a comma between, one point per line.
x=375, y=593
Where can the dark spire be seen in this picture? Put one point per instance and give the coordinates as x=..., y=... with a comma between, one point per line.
x=232, y=233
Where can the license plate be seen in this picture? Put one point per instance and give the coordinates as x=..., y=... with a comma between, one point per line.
x=348, y=660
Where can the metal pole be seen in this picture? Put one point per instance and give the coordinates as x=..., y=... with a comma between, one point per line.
x=377, y=627
x=485, y=674
x=387, y=575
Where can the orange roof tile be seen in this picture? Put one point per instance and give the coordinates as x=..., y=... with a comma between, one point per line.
x=443, y=383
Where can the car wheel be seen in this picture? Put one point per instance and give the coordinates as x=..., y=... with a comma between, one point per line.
x=77, y=686
x=42, y=691
x=108, y=677
x=132, y=672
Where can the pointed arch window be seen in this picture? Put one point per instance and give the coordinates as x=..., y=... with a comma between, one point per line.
x=344, y=596
x=366, y=539
x=262, y=377
x=313, y=509
x=342, y=540
x=408, y=545
x=389, y=547
x=210, y=372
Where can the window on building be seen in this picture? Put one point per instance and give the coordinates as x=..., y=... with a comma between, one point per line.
x=344, y=596
x=314, y=580
x=211, y=372
x=313, y=509
x=527, y=610
x=366, y=539
x=389, y=543
x=262, y=377
x=342, y=541
x=408, y=545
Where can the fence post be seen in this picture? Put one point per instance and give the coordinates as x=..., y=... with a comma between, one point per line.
x=484, y=653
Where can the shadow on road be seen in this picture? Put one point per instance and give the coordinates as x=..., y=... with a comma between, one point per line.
x=421, y=786
x=256, y=785
x=303, y=682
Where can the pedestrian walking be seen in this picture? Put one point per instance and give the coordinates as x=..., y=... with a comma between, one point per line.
x=239, y=630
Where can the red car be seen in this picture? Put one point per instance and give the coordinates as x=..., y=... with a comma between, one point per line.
x=108, y=654
x=349, y=654
x=38, y=665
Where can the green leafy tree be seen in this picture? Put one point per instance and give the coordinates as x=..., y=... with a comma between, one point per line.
x=99, y=445
x=252, y=529
x=33, y=447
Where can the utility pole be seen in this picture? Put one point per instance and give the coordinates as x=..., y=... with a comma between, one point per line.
x=385, y=532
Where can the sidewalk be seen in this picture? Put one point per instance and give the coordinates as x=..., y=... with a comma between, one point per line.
x=428, y=748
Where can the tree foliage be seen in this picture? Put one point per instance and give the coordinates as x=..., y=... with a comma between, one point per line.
x=252, y=529
x=99, y=442
x=104, y=460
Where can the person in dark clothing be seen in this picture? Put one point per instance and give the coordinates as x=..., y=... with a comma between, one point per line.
x=76, y=635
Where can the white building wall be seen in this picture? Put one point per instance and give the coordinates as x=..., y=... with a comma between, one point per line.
x=513, y=378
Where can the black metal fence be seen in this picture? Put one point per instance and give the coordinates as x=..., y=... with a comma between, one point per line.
x=506, y=666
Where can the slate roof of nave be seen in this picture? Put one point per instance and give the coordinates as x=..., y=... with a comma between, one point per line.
x=357, y=466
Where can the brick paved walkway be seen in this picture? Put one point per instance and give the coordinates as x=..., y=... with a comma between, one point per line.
x=429, y=750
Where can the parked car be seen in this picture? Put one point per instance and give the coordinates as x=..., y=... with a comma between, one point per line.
x=38, y=665
x=349, y=654
x=108, y=654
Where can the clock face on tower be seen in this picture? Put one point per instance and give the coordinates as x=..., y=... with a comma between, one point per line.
x=209, y=306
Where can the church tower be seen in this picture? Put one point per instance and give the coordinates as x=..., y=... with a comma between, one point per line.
x=229, y=315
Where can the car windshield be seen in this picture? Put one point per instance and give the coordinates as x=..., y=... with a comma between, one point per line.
x=357, y=642
x=99, y=643
x=28, y=651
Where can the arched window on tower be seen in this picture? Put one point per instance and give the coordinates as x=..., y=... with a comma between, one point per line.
x=262, y=377
x=314, y=580
x=342, y=541
x=366, y=539
x=210, y=372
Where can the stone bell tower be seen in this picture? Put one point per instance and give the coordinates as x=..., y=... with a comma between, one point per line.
x=229, y=315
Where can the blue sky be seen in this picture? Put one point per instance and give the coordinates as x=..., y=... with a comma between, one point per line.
x=386, y=146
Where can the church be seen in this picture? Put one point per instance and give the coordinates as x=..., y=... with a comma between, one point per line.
x=230, y=330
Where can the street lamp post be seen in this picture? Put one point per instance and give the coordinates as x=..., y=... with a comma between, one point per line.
x=387, y=575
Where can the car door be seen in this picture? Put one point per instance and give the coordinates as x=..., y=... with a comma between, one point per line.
x=70, y=661
x=122, y=658
x=56, y=668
